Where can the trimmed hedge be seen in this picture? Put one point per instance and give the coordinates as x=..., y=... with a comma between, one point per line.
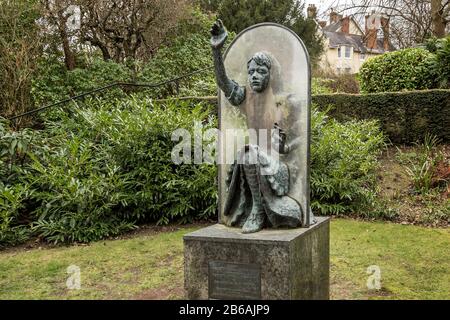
x=405, y=117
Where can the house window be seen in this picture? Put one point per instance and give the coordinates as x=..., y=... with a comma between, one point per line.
x=362, y=56
x=348, y=52
x=339, y=52
x=348, y=70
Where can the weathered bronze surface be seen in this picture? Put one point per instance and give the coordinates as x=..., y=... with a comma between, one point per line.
x=234, y=281
x=267, y=183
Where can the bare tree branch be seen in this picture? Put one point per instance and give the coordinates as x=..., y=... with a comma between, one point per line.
x=127, y=28
x=412, y=21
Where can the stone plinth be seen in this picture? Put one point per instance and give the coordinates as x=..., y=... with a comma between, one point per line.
x=222, y=263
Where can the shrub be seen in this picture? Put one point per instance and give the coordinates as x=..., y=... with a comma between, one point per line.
x=12, y=230
x=405, y=117
x=78, y=191
x=347, y=83
x=109, y=167
x=440, y=65
x=343, y=164
x=101, y=170
x=406, y=69
x=55, y=83
x=14, y=193
x=320, y=86
x=423, y=167
x=140, y=138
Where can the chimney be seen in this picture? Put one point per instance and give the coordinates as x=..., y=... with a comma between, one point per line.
x=312, y=11
x=345, y=25
x=385, y=28
x=371, y=31
x=334, y=16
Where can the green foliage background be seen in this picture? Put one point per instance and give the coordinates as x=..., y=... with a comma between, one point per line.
x=405, y=117
x=97, y=167
x=440, y=64
x=100, y=170
x=20, y=51
x=343, y=165
x=187, y=52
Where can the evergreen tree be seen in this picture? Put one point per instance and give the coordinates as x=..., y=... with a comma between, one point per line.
x=208, y=5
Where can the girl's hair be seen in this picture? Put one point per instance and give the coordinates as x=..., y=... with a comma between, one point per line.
x=261, y=58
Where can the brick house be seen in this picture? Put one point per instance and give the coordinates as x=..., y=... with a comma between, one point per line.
x=347, y=46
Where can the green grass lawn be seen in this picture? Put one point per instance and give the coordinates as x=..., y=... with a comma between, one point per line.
x=414, y=263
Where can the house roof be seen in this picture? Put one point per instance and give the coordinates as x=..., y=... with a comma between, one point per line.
x=357, y=41
x=334, y=27
x=338, y=39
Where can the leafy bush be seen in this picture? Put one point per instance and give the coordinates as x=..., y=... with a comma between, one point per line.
x=343, y=164
x=347, y=83
x=320, y=86
x=13, y=193
x=406, y=69
x=140, y=137
x=440, y=65
x=14, y=146
x=78, y=191
x=11, y=205
x=99, y=171
x=108, y=167
x=55, y=83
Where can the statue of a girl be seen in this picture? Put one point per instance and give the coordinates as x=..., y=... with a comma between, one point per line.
x=257, y=182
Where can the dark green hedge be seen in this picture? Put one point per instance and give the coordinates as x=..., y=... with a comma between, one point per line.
x=404, y=116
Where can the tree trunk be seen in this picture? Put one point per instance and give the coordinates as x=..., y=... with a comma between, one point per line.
x=69, y=57
x=105, y=52
x=438, y=19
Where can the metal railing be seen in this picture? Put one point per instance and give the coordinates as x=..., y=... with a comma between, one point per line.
x=108, y=87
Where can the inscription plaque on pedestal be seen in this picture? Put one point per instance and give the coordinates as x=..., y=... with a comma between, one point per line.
x=230, y=281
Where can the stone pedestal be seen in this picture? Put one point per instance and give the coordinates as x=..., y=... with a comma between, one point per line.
x=222, y=263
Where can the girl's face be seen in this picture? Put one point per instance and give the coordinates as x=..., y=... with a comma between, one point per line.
x=258, y=76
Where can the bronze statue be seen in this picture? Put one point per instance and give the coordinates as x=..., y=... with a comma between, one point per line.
x=257, y=182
